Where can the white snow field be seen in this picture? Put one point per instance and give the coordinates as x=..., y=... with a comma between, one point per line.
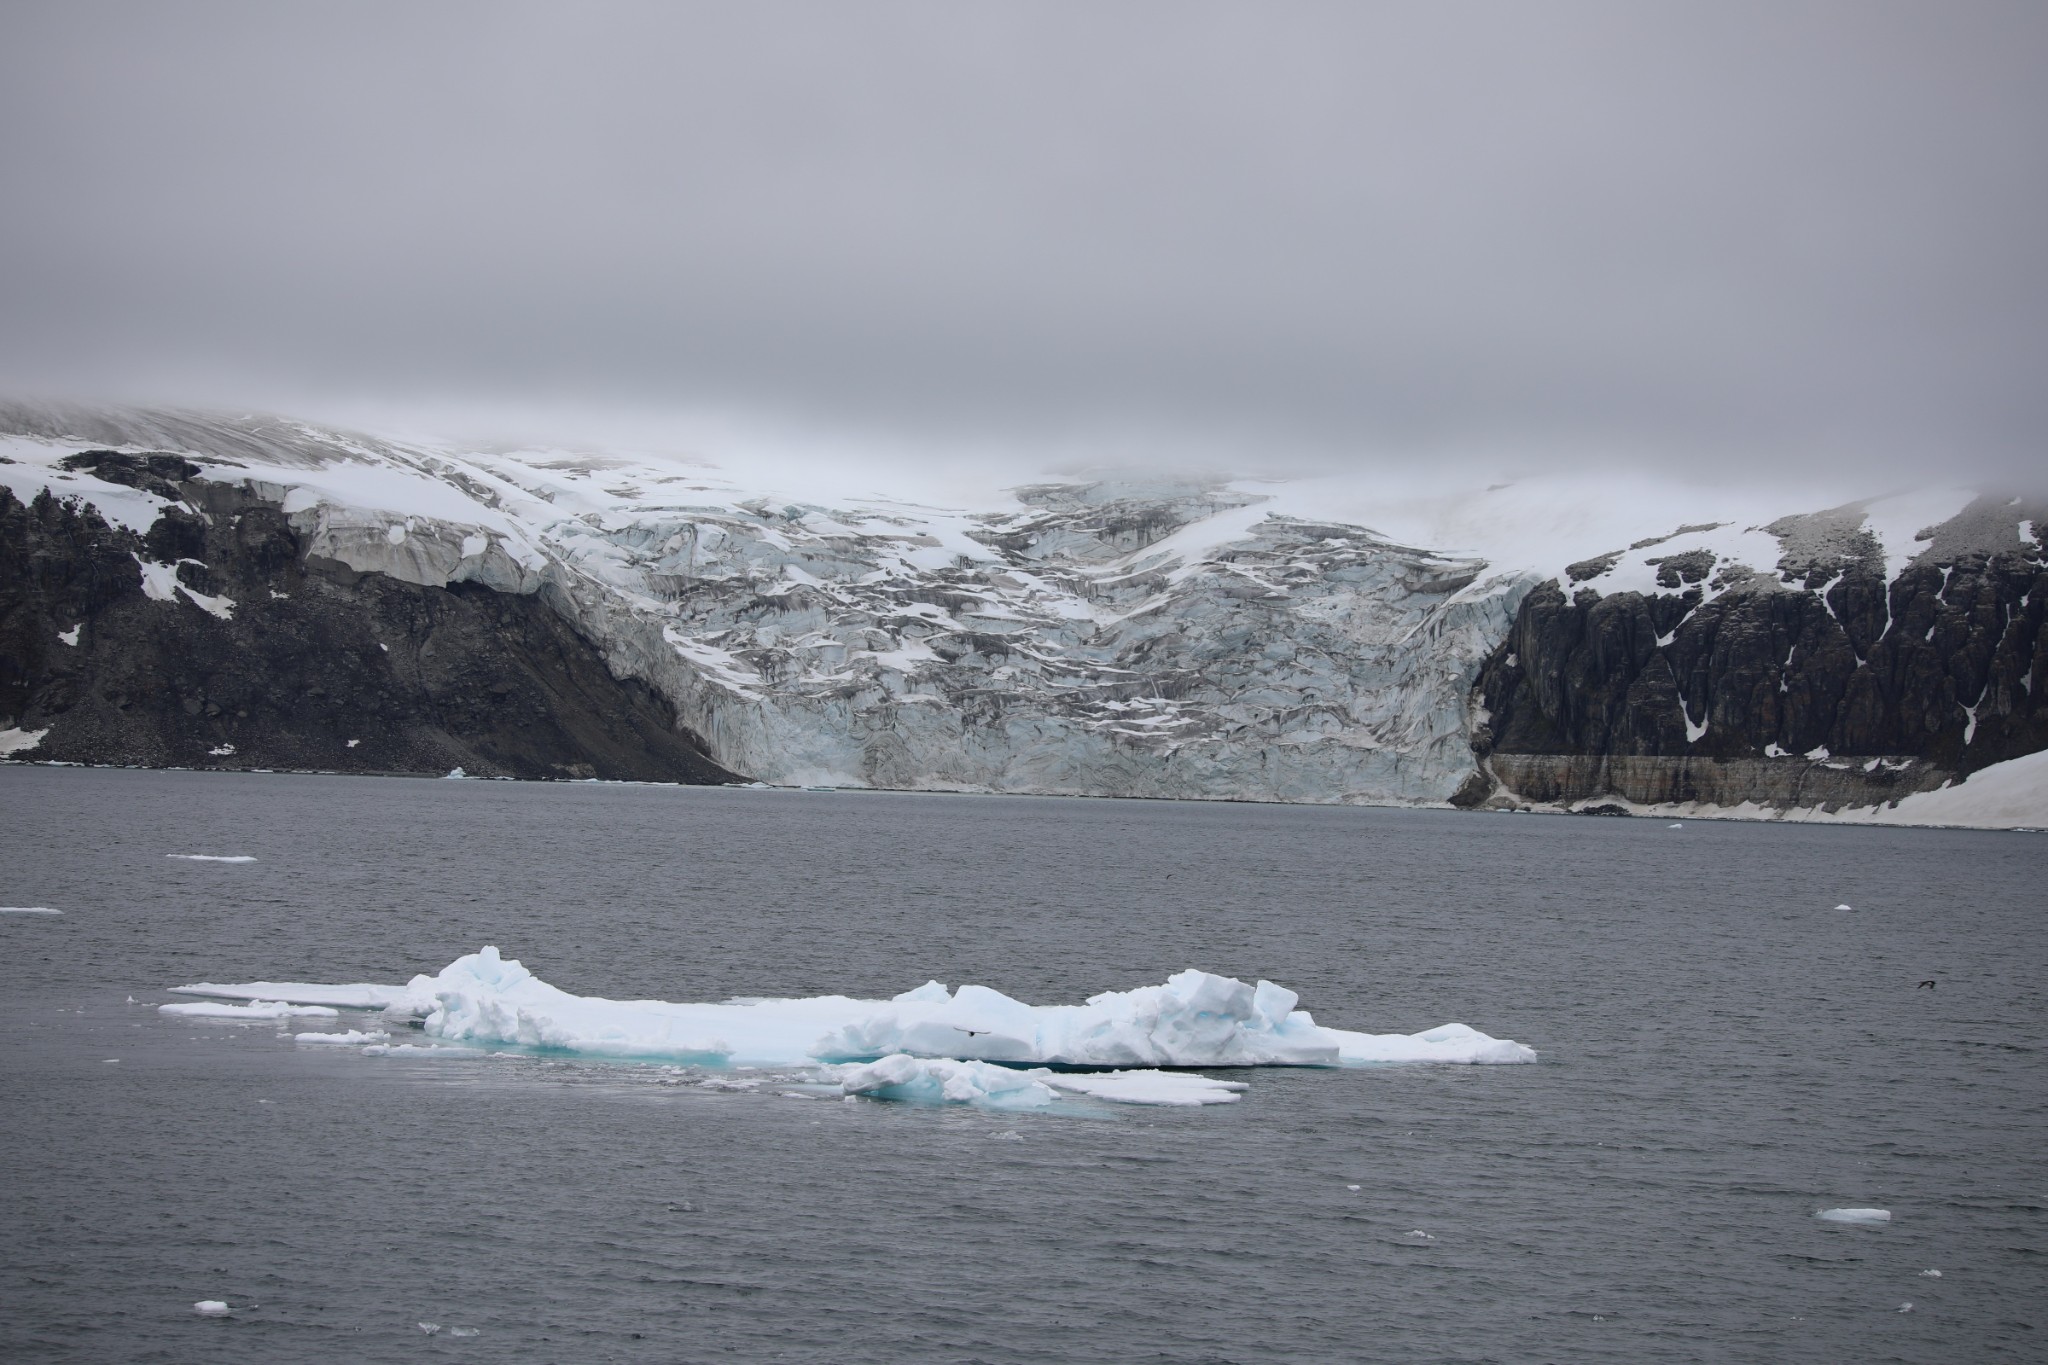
x=932, y=1043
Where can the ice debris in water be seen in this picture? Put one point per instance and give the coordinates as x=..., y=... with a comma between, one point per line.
x=462, y=1331
x=255, y=1009
x=1930, y=1274
x=1842, y=907
x=430, y=1328
x=1855, y=1215
x=212, y=857
x=28, y=910
x=1906, y=1307
x=352, y=1038
x=211, y=1308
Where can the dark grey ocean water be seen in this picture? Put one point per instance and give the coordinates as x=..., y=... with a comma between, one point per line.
x=1724, y=1054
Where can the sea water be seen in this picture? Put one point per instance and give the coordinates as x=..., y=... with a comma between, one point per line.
x=1725, y=1054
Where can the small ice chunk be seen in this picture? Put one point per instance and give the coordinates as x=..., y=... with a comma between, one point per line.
x=1674, y=825
x=1906, y=1307
x=456, y=772
x=110, y=1060
x=1930, y=1274
x=1842, y=907
x=211, y=1308
x=352, y=1038
x=1871, y=1216
x=1351, y=1187
x=429, y=1327
x=462, y=1331
x=212, y=857
x=1418, y=1232
x=255, y=1009
x=28, y=910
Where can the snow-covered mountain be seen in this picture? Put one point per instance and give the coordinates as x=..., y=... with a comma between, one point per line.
x=1137, y=635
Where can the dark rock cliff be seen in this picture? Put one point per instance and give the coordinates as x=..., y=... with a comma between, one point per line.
x=1820, y=683
x=312, y=666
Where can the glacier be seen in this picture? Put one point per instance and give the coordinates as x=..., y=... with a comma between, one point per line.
x=1135, y=633
x=932, y=1042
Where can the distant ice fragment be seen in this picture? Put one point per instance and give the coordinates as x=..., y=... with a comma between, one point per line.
x=1674, y=825
x=1843, y=907
x=1930, y=1274
x=28, y=910
x=456, y=772
x=1351, y=1187
x=1906, y=1307
x=212, y=857
x=1871, y=1216
x=462, y=1331
x=430, y=1328
x=211, y=1308
x=255, y=1009
x=352, y=1038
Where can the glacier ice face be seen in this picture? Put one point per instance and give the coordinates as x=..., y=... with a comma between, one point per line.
x=1196, y=1019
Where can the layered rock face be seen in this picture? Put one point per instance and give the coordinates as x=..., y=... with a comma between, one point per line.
x=1819, y=679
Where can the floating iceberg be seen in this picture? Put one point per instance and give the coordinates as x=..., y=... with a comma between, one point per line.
x=1196, y=1019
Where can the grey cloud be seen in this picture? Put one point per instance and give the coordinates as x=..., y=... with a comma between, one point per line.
x=1765, y=229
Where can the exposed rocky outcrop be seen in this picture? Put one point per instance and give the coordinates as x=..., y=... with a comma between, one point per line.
x=215, y=640
x=1816, y=681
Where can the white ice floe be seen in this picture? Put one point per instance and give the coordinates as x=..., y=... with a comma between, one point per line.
x=359, y=996
x=1195, y=1020
x=1930, y=1274
x=211, y=1308
x=1177, y=1088
x=1871, y=1216
x=255, y=1009
x=350, y=1038
x=28, y=910
x=212, y=857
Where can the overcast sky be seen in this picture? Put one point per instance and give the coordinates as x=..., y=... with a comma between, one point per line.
x=1656, y=232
